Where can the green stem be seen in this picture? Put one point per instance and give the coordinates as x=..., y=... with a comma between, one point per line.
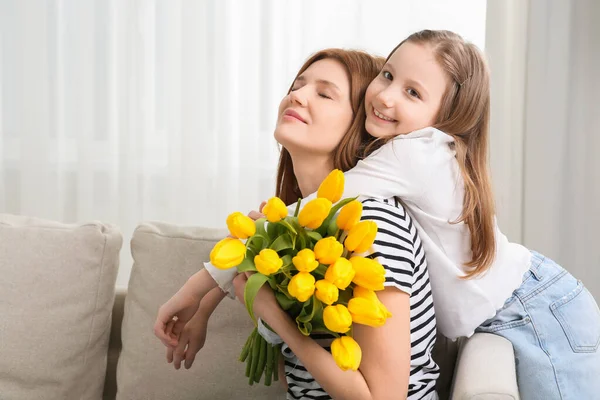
x=287, y=225
x=269, y=366
x=249, y=355
x=246, y=348
x=256, y=344
x=297, y=211
x=276, y=351
x=262, y=358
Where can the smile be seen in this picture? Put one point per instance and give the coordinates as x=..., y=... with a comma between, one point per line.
x=381, y=116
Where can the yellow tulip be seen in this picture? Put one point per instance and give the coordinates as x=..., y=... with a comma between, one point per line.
x=360, y=291
x=314, y=213
x=349, y=215
x=337, y=318
x=268, y=262
x=275, y=209
x=332, y=187
x=327, y=292
x=368, y=294
x=228, y=253
x=346, y=353
x=240, y=225
x=305, y=261
x=368, y=311
x=369, y=273
x=361, y=236
x=340, y=273
x=302, y=286
x=328, y=250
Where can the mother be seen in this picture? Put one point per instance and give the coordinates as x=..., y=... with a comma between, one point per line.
x=321, y=126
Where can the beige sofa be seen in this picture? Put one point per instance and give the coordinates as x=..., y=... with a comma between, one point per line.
x=66, y=333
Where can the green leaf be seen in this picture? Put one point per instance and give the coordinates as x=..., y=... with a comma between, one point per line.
x=314, y=235
x=293, y=221
x=257, y=243
x=305, y=328
x=325, y=225
x=282, y=242
x=250, y=253
x=286, y=223
x=260, y=227
x=253, y=285
x=284, y=301
x=302, y=241
x=274, y=230
x=247, y=265
x=332, y=229
x=312, y=307
x=345, y=296
x=320, y=270
x=287, y=260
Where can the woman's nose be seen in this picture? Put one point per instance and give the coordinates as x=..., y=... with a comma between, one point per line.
x=298, y=97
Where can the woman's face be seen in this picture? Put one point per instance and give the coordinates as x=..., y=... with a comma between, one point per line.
x=407, y=94
x=314, y=117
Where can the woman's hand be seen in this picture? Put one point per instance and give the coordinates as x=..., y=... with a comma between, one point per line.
x=265, y=303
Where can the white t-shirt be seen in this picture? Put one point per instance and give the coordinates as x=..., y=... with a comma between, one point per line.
x=421, y=169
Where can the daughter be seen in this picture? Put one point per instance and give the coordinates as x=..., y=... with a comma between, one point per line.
x=430, y=108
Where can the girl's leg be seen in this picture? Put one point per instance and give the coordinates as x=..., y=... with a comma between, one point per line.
x=553, y=323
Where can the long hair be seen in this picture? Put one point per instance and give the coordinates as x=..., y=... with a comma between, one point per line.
x=464, y=114
x=362, y=68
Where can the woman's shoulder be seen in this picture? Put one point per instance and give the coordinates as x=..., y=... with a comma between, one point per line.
x=393, y=221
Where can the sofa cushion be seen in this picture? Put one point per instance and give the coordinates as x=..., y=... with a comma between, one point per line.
x=165, y=256
x=56, y=294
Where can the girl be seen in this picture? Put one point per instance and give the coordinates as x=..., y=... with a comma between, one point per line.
x=480, y=281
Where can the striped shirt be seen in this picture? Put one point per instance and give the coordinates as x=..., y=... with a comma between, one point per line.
x=398, y=248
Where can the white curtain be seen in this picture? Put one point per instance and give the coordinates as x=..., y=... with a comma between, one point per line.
x=545, y=61
x=132, y=110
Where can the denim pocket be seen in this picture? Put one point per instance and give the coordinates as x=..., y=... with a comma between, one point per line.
x=511, y=315
x=496, y=326
x=579, y=317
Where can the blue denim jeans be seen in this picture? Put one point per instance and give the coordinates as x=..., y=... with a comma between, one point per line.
x=553, y=323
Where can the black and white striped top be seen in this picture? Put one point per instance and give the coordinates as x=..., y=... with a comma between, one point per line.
x=398, y=248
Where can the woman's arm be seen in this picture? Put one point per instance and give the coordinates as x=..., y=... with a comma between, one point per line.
x=384, y=370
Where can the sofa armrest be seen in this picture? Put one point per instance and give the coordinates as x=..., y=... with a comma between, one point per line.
x=114, y=347
x=485, y=369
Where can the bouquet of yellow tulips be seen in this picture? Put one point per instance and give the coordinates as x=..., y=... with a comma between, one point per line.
x=310, y=262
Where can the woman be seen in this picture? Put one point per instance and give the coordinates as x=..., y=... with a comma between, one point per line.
x=319, y=129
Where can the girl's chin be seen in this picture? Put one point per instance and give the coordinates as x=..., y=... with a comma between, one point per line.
x=377, y=133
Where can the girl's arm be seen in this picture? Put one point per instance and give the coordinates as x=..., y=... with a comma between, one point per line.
x=384, y=370
x=400, y=168
x=223, y=278
x=182, y=305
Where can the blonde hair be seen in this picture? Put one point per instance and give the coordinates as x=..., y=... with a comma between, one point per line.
x=362, y=68
x=464, y=114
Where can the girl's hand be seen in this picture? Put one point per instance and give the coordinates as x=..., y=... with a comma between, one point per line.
x=174, y=314
x=190, y=342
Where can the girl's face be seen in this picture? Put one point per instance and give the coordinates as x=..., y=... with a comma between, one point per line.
x=316, y=114
x=407, y=94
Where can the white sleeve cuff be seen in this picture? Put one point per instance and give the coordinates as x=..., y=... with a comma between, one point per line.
x=223, y=277
x=270, y=337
